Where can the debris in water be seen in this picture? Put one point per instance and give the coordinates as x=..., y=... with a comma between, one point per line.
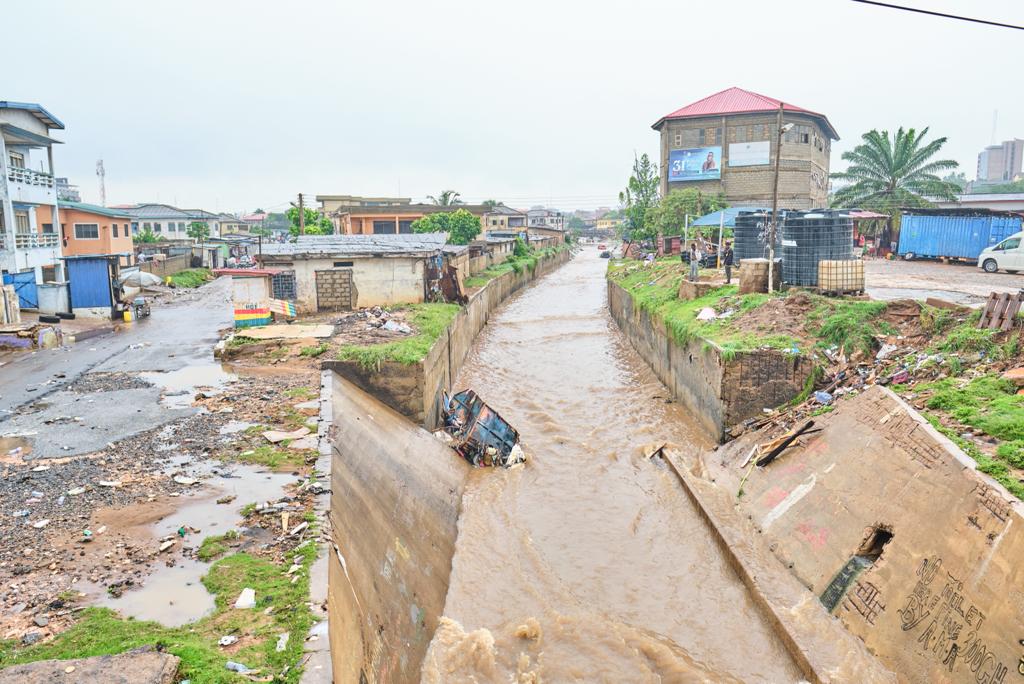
x=246, y=600
x=275, y=436
x=529, y=630
x=182, y=480
x=166, y=545
x=226, y=499
x=480, y=435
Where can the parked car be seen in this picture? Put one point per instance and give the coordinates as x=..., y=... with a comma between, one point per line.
x=606, y=254
x=1007, y=255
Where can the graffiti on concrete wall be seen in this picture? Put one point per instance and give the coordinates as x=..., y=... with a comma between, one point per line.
x=947, y=625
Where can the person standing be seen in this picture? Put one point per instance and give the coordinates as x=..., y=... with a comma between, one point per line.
x=727, y=262
x=695, y=257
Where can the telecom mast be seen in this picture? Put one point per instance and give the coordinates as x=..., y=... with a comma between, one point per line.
x=102, y=175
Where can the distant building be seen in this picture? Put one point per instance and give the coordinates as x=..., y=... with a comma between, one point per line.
x=232, y=225
x=725, y=143
x=170, y=222
x=994, y=201
x=27, y=247
x=385, y=219
x=1001, y=163
x=501, y=218
x=540, y=217
x=66, y=191
x=90, y=229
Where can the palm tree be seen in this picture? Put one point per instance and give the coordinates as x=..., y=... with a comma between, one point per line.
x=445, y=199
x=887, y=173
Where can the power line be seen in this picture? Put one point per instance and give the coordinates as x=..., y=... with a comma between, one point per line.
x=940, y=14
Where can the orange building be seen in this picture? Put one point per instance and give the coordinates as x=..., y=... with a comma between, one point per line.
x=89, y=229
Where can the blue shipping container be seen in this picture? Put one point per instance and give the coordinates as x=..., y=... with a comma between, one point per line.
x=931, y=236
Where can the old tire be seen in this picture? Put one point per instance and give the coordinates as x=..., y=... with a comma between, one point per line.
x=990, y=266
x=66, y=315
x=44, y=318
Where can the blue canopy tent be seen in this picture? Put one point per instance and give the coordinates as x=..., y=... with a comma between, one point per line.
x=730, y=214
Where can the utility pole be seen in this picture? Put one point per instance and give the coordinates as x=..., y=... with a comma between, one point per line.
x=102, y=175
x=773, y=226
x=302, y=216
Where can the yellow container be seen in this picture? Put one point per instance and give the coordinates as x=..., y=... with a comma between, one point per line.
x=127, y=315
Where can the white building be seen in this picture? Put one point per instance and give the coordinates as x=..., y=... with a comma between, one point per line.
x=169, y=222
x=27, y=182
x=539, y=217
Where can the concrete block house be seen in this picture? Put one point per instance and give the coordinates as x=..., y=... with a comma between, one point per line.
x=726, y=143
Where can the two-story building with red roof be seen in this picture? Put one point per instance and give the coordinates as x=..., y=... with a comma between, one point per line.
x=726, y=143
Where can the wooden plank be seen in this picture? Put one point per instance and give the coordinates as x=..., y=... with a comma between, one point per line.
x=1012, y=310
x=999, y=311
x=986, y=311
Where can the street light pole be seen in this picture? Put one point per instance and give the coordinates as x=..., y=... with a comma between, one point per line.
x=774, y=225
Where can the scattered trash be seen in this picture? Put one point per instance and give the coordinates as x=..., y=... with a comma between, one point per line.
x=110, y=483
x=395, y=326
x=900, y=377
x=226, y=499
x=76, y=491
x=823, y=398
x=246, y=600
x=39, y=469
x=166, y=545
x=41, y=620
x=707, y=314
x=282, y=642
x=21, y=514
x=103, y=528
x=480, y=435
x=298, y=528
x=69, y=669
x=886, y=351
x=275, y=436
x=40, y=524
x=227, y=640
x=236, y=667
x=182, y=480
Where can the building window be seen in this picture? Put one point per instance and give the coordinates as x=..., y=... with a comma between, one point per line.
x=405, y=227
x=48, y=229
x=157, y=228
x=21, y=224
x=49, y=274
x=147, y=226
x=344, y=264
x=135, y=226
x=181, y=227
x=87, y=231
x=383, y=227
x=678, y=139
x=17, y=159
x=113, y=230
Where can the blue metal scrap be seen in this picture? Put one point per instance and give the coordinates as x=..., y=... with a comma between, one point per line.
x=481, y=436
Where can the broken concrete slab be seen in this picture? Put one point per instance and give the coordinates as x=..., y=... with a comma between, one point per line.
x=1015, y=375
x=895, y=533
x=304, y=443
x=141, y=666
x=294, y=331
x=276, y=436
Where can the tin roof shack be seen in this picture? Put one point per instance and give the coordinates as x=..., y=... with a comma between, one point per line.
x=251, y=292
x=346, y=272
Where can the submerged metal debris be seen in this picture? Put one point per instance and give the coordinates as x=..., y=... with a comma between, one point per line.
x=479, y=434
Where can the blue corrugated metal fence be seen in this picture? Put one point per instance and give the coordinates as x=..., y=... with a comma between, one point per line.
x=89, y=280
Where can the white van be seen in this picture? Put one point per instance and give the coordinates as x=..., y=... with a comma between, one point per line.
x=1008, y=255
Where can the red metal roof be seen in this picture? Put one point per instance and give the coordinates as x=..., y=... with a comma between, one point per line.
x=739, y=101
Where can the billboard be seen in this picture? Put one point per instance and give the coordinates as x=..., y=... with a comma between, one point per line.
x=749, y=153
x=697, y=164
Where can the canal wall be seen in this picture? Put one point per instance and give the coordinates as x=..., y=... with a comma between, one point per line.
x=719, y=390
x=890, y=529
x=415, y=390
x=396, y=493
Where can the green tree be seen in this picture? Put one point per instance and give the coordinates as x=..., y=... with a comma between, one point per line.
x=669, y=217
x=886, y=173
x=146, y=236
x=490, y=204
x=461, y=226
x=198, y=231
x=958, y=179
x=447, y=198
x=316, y=224
x=1014, y=187
x=640, y=197
x=575, y=223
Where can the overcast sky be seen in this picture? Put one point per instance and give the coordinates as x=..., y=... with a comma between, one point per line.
x=232, y=105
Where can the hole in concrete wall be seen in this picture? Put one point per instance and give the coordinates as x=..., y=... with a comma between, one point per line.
x=874, y=542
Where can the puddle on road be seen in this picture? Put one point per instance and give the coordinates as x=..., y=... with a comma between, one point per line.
x=179, y=386
x=175, y=596
x=234, y=427
x=13, y=450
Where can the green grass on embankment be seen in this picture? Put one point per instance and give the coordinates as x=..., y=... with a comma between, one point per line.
x=191, y=277
x=429, y=320
x=514, y=264
x=100, y=631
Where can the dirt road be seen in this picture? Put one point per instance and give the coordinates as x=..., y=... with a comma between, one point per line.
x=961, y=283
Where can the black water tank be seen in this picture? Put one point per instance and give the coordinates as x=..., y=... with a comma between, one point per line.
x=810, y=237
x=749, y=235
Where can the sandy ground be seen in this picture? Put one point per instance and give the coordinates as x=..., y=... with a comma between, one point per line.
x=962, y=283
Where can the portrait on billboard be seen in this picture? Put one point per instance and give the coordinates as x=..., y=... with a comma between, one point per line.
x=696, y=164
x=749, y=153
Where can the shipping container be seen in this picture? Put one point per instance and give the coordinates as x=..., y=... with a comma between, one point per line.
x=954, y=235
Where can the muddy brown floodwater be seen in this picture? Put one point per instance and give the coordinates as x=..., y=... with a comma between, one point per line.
x=589, y=563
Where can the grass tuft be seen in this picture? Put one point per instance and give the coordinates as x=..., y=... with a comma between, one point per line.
x=429, y=320
x=191, y=277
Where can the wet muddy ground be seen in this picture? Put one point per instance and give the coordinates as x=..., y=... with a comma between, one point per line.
x=120, y=455
x=961, y=283
x=589, y=563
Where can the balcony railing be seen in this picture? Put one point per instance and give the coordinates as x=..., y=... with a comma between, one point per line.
x=35, y=240
x=29, y=177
